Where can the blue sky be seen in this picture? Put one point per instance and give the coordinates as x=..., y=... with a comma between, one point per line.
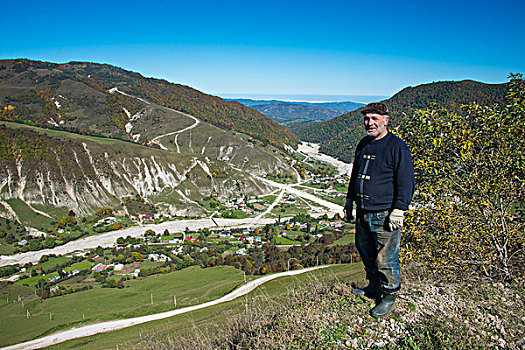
x=277, y=47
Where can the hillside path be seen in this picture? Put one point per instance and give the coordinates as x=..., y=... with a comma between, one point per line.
x=196, y=122
x=156, y=139
x=110, y=326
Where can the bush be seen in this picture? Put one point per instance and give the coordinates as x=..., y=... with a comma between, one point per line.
x=470, y=171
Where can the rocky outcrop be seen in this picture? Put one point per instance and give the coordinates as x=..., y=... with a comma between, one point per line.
x=87, y=174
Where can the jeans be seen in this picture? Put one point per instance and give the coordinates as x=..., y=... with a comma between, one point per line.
x=379, y=249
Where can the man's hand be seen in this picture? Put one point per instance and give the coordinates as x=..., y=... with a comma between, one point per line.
x=348, y=209
x=395, y=219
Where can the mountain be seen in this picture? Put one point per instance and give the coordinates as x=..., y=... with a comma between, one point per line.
x=82, y=136
x=339, y=136
x=77, y=95
x=285, y=112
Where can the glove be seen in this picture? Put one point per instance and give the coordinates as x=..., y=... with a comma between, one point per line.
x=348, y=209
x=395, y=219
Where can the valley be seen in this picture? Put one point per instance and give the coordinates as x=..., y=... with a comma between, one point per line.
x=87, y=216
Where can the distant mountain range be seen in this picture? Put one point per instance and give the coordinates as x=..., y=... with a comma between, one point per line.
x=286, y=112
x=339, y=136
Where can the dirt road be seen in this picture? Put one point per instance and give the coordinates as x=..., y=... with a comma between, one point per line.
x=110, y=326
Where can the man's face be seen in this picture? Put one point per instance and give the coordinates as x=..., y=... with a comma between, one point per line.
x=375, y=124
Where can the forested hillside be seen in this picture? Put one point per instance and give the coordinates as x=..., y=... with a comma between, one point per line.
x=77, y=95
x=340, y=135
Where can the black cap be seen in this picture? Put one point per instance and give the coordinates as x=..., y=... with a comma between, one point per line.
x=375, y=107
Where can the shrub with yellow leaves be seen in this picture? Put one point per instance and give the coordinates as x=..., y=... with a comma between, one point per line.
x=468, y=216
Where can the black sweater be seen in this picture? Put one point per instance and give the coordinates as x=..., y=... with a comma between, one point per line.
x=382, y=174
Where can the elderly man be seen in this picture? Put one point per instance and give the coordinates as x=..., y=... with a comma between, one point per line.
x=381, y=185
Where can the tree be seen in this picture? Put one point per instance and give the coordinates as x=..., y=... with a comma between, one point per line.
x=67, y=221
x=149, y=232
x=106, y=211
x=470, y=180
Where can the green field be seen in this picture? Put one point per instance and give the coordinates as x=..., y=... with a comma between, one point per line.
x=345, y=240
x=200, y=321
x=28, y=217
x=191, y=286
x=56, y=133
x=10, y=292
x=285, y=241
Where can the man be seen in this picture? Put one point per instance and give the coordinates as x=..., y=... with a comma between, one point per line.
x=382, y=185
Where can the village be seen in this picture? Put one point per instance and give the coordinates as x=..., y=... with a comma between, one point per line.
x=164, y=252
x=136, y=211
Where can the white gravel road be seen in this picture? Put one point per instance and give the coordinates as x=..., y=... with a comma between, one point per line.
x=109, y=326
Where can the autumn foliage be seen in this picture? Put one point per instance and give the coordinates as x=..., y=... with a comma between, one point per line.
x=470, y=172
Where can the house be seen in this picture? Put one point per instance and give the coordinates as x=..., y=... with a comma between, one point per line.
x=153, y=256
x=110, y=219
x=99, y=267
x=146, y=218
x=22, y=242
x=241, y=251
x=136, y=273
x=13, y=278
x=118, y=267
x=259, y=207
x=177, y=251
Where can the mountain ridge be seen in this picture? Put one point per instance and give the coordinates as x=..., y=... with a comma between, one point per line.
x=66, y=150
x=339, y=136
x=287, y=112
x=45, y=78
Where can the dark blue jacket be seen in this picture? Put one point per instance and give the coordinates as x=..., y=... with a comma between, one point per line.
x=382, y=174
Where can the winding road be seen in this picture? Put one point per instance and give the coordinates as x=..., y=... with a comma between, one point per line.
x=196, y=122
x=110, y=326
x=108, y=240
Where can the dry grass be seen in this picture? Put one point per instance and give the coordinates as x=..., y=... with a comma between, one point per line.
x=325, y=315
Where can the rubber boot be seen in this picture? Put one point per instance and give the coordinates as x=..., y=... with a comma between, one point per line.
x=384, y=307
x=372, y=291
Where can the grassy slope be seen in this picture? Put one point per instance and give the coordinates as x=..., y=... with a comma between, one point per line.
x=192, y=286
x=27, y=216
x=201, y=320
x=11, y=292
x=345, y=240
